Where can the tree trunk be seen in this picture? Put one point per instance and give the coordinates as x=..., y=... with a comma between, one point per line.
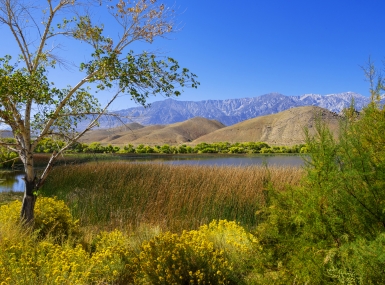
x=27, y=209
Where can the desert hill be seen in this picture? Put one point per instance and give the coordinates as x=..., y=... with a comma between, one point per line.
x=177, y=133
x=102, y=135
x=284, y=128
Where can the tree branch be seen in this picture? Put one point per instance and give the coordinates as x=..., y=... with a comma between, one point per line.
x=46, y=31
x=61, y=105
x=11, y=20
x=49, y=166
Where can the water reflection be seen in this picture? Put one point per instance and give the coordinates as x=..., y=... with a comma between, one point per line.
x=11, y=181
x=244, y=161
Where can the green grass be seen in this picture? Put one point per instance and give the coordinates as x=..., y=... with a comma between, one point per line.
x=122, y=195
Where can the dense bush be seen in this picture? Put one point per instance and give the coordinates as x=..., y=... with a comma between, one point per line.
x=331, y=229
x=48, y=145
x=239, y=246
x=52, y=217
x=215, y=254
x=188, y=258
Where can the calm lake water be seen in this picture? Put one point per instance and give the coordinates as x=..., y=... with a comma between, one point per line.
x=224, y=160
x=12, y=180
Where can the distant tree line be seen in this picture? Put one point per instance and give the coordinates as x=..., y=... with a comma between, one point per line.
x=49, y=145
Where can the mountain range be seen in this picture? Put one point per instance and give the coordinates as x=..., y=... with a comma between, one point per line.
x=230, y=111
x=283, y=128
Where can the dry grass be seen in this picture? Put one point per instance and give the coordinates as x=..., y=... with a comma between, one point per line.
x=127, y=195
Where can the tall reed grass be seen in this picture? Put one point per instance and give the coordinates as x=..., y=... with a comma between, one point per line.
x=126, y=195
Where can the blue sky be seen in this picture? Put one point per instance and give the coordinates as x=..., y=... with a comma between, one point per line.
x=250, y=48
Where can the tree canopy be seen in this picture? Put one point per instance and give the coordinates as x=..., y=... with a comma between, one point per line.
x=35, y=108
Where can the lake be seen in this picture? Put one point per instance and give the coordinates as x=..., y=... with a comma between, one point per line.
x=223, y=160
x=13, y=180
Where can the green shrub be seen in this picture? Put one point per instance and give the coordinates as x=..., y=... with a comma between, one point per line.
x=359, y=262
x=316, y=233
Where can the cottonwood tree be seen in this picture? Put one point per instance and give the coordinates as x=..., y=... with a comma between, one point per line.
x=34, y=108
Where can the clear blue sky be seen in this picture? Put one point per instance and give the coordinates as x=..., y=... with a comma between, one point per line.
x=250, y=48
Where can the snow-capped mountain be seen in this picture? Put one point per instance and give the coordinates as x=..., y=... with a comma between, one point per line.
x=333, y=102
x=232, y=111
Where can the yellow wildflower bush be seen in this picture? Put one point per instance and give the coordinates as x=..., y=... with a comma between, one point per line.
x=188, y=258
x=10, y=213
x=109, y=263
x=231, y=237
x=60, y=264
x=211, y=255
x=43, y=262
x=113, y=258
x=36, y=261
x=17, y=265
x=239, y=246
x=52, y=217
